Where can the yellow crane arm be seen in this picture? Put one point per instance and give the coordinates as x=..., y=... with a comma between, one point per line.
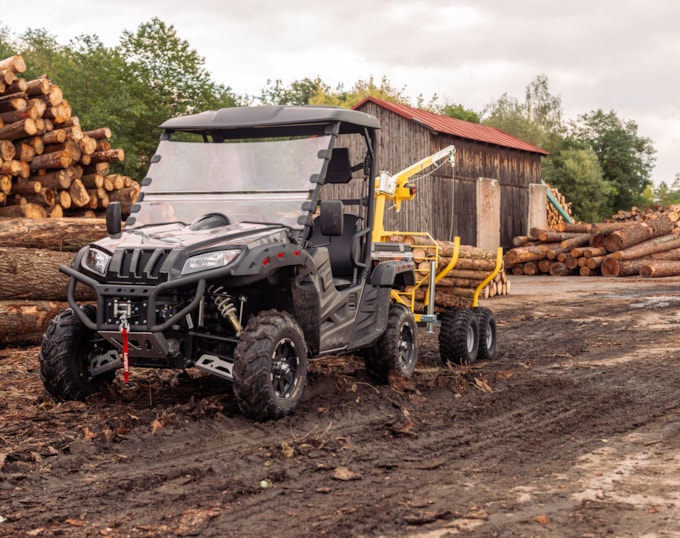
x=396, y=188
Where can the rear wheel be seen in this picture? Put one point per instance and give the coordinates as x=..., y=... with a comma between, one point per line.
x=397, y=350
x=459, y=336
x=66, y=354
x=270, y=366
x=487, y=333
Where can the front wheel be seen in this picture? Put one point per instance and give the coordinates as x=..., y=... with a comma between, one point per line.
x=66, y=352
x=397, y=349
x=270, y=366
x=459, y=336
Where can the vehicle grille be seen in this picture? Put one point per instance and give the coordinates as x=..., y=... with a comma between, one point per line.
x=142, y=265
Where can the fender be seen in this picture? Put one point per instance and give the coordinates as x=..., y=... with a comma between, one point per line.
x=391, y=274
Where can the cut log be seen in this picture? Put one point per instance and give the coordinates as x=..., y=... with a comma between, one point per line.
x=613, y=267
x=632, y=235
x=29, y=211
x=58, y=179
x=575, y=227
x=99, y=134
x=111, y=156
x=24, y=322
x=26, y=187
x=17, y=115
x=5, y=184
x=23, y=151
x=67, y=234
x=14, y=63
x=29, y=273
x=79, y=195
x=559, y=269
x=660, y=268
x=658, y=244
x=58, y=136
x=19, y=129
x=57, y=159
x=38, y=86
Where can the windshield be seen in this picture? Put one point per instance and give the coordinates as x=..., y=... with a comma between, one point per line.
x=255, y=180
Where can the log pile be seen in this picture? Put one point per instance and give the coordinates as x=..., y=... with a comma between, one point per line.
x=49, y=165
x=554, y=219
x=644, y=243
x=32, y=290
x=457, y=288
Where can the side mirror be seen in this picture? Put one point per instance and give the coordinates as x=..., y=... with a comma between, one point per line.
x=113, y=218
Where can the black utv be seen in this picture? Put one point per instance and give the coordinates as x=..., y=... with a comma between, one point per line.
x=240, y=258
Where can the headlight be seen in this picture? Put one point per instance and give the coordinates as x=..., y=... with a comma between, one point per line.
x=96, y=261
x=209, y=260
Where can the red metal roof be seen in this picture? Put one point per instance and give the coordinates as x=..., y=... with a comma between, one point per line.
x=456, y=127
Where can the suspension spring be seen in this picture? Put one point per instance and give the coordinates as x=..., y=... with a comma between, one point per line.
x=226, y=307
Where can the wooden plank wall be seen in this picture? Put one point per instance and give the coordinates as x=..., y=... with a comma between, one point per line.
x=445, y=204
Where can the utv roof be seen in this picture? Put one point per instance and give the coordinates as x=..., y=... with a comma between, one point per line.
x=272, y=117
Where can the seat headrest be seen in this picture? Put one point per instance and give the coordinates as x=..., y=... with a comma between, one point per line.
x=339, y=167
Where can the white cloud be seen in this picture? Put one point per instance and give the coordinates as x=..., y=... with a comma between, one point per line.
x=611, y=54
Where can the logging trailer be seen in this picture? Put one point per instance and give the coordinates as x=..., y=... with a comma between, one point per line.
x=233, y=261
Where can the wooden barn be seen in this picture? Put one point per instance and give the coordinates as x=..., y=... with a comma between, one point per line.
x=446, y=203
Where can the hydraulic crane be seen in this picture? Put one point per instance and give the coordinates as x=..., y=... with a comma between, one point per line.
x=465, y=333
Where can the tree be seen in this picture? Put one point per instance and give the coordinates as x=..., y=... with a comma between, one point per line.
x=165, y=78
x=626, y=158
x=458, y=111
x=300, y=92
x=576, y=173
x=537, y=119
x=42, y=54
x=7, y=45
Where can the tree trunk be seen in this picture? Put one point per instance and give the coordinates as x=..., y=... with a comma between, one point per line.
x=613, y=267
x=57, y=159
x=67, y=234
x=13, y=63
x=29, y=273
x=658, y=244
x=632, y=235
x=29, y=211
x=24, y=322
x=659, y=268
x=19, y=129
x=78, y=192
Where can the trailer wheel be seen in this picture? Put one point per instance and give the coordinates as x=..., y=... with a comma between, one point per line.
x=270, y=366
x=459, y=336
x=397, y=349
x=65, y=352
x=487, y=334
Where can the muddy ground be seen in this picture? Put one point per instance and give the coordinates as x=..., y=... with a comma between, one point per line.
x=572, y=431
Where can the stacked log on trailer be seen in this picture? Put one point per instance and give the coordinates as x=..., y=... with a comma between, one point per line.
x=32, y=290
x=50, y=166
x=457, y=288
x=637, y=242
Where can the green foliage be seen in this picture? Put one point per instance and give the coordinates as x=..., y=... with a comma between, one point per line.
x=537, y=119
x=165, y=78
x=626, y=158
x=7, y=45
x=663, y=194
x=576, y=173
x=460, y=112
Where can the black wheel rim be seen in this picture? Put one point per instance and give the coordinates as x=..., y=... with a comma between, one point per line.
x=406, y=346
x=285, y=370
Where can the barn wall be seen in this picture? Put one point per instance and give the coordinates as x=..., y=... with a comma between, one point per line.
x=445, y=206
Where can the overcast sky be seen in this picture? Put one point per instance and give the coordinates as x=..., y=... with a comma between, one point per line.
x=621, y=55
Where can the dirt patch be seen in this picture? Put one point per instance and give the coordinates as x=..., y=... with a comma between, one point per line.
x=572, y=431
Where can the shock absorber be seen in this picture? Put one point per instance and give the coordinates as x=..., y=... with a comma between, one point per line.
x=226, y=307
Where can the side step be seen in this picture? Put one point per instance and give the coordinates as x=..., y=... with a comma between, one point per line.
x=216, y=366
